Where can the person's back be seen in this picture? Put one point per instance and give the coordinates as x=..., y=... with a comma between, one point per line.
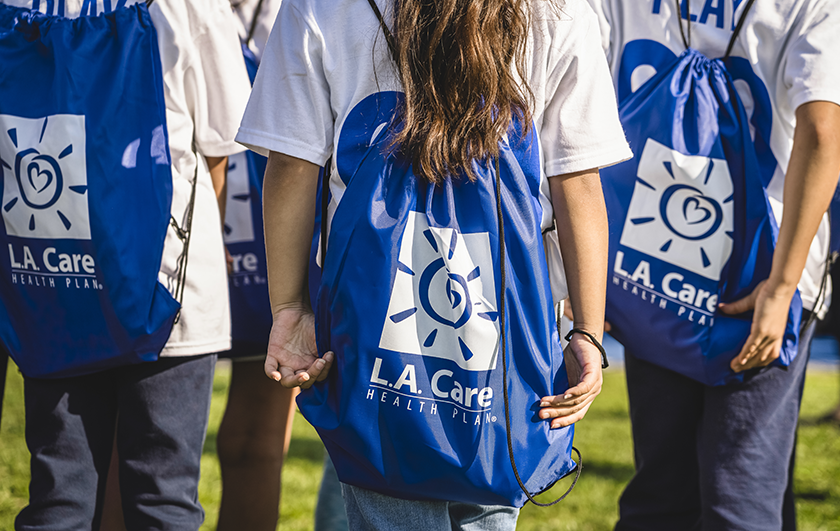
x=717, y=437
x=71, y=422
x=451, y=88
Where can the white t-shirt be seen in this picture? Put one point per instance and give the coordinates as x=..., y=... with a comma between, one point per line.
x=205, y=90
x=324, y=57
x=244, y=10
x=792, y=46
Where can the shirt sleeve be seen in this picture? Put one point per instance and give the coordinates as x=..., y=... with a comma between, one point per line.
x=581, y=129
x=289, y=110
x=216, y=81
x=811, y=70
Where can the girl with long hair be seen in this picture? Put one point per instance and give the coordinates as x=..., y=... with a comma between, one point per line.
x=471, y=76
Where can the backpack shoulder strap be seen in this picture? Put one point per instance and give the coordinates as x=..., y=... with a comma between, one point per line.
x=738, y=28
x=257, y=11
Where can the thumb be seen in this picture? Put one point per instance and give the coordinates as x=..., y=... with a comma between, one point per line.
x=741, y=305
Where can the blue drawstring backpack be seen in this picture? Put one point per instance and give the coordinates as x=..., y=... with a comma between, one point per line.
x=413, y=299
x=435, y=299
x=86, y=193
x=690, y=221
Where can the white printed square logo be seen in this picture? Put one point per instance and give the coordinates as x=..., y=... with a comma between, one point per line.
x=681, y=211
x=45, y=189
x=239, y=223
x=443, y=303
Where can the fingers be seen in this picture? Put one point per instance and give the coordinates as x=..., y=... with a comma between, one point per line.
x=742, y=305
x=318, y=370
x=565, y=412
x=571, y=407
x=564, y=422
x=290, y=378
x=304, y=379
x=272, y=368
x=325, y=370
x=756, y=353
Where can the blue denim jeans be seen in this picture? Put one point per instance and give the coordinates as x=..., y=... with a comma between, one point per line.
x=711, y=458
x=70, y=423
x=371, y=511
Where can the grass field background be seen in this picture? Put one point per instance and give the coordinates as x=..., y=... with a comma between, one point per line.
x=603, y=438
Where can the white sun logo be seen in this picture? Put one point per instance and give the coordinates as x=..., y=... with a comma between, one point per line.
x=443, y=303
x=44, y=177
x=681, y=210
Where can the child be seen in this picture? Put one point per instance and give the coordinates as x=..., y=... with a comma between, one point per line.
x=163, y=405
x=324, y=58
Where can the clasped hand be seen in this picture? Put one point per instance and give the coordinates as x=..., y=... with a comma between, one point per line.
x=292, y=358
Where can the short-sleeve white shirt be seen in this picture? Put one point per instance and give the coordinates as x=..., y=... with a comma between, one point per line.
x=325, y=56
x=205, y=91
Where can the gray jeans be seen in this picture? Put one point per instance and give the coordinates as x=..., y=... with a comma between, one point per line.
x=371, y=511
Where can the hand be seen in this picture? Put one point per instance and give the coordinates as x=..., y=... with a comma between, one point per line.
x=583, y=367
x=768, y=325
x=292, y=357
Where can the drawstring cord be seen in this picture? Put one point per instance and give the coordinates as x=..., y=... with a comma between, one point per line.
x=503, y=341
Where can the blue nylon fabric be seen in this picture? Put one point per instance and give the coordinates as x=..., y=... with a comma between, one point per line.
x=425, y=447
x=690, y=107
x=249, y=304
x=834, y=218
x=99, y=78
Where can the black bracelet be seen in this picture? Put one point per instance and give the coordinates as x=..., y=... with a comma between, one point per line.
x=604, y=362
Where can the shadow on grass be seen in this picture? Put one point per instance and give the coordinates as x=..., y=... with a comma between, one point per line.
x=811, y=495
x=619, y=472
x=209, y=445
x=609, y=414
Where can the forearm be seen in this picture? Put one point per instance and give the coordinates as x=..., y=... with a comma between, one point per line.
x=218, y=174
x=582, y=230
x=809, y=186
x=289, y=193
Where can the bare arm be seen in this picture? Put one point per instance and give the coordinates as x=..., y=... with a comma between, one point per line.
x=583, y=233
x=289, y=192
x=809, y=186
x=218, y=174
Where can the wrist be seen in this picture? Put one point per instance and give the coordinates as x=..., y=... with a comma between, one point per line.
x=288, y=305
x=596, y=331
x=592, y=339
x=780, y=287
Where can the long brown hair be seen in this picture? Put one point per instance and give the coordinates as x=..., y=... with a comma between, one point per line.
x=456, y=61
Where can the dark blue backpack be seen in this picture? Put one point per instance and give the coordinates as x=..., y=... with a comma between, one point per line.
x=87, y=188
x=690, y=221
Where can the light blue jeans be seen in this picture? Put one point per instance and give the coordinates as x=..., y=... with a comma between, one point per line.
x=371, y=511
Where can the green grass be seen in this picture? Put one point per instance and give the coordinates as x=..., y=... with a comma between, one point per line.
x=603, y=438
